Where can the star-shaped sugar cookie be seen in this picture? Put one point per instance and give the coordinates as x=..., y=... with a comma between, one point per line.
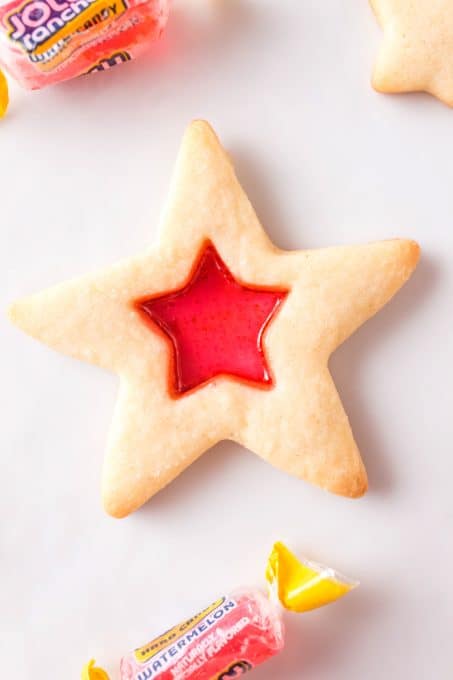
x=217, y=334
x=417, y=53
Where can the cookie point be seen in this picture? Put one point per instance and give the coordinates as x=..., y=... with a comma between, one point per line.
x=411, y=252
x=361, y=487
x=20, y=315
x=415, y=250
x=202, y=129
x=354, y=486
x=117, y=512
x=201, y=124
x=13, y=312
x=113, y=507
x=406, y=251
x=378, y=84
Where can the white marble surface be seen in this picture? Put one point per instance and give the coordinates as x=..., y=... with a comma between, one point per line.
x=84, y=171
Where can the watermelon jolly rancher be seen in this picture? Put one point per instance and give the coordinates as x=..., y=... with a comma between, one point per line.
x=236, y=633
x=43, y=42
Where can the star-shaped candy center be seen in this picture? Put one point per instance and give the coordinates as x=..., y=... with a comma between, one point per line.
x=215, y=325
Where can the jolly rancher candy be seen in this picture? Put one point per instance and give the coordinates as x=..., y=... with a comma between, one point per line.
x=46, y=41
x=236, y=633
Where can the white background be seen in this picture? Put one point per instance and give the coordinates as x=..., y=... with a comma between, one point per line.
x=84, y=171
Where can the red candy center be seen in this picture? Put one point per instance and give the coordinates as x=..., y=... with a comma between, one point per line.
x=215, y=324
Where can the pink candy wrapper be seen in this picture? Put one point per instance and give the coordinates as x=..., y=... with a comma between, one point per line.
x=236, y=633
x=228, y=639
x=46, y=41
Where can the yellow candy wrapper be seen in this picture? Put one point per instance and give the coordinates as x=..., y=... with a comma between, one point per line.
x=301, y=585
x=4, y=95
x=91, y=672
x=237, y=632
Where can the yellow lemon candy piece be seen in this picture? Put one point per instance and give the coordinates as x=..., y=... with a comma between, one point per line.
x=4, y=95
x=91, y=672
x=302, y=585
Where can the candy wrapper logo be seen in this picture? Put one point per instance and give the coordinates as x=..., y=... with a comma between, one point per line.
x=235, y=670
x=185, y=646
x=110, y=62
x=50, y=30
x=144, y=654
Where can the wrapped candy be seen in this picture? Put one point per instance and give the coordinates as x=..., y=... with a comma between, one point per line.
x=236, y=633
x=46, y=41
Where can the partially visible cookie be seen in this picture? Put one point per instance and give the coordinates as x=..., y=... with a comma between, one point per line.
x=217, y=334
x=417, y=53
